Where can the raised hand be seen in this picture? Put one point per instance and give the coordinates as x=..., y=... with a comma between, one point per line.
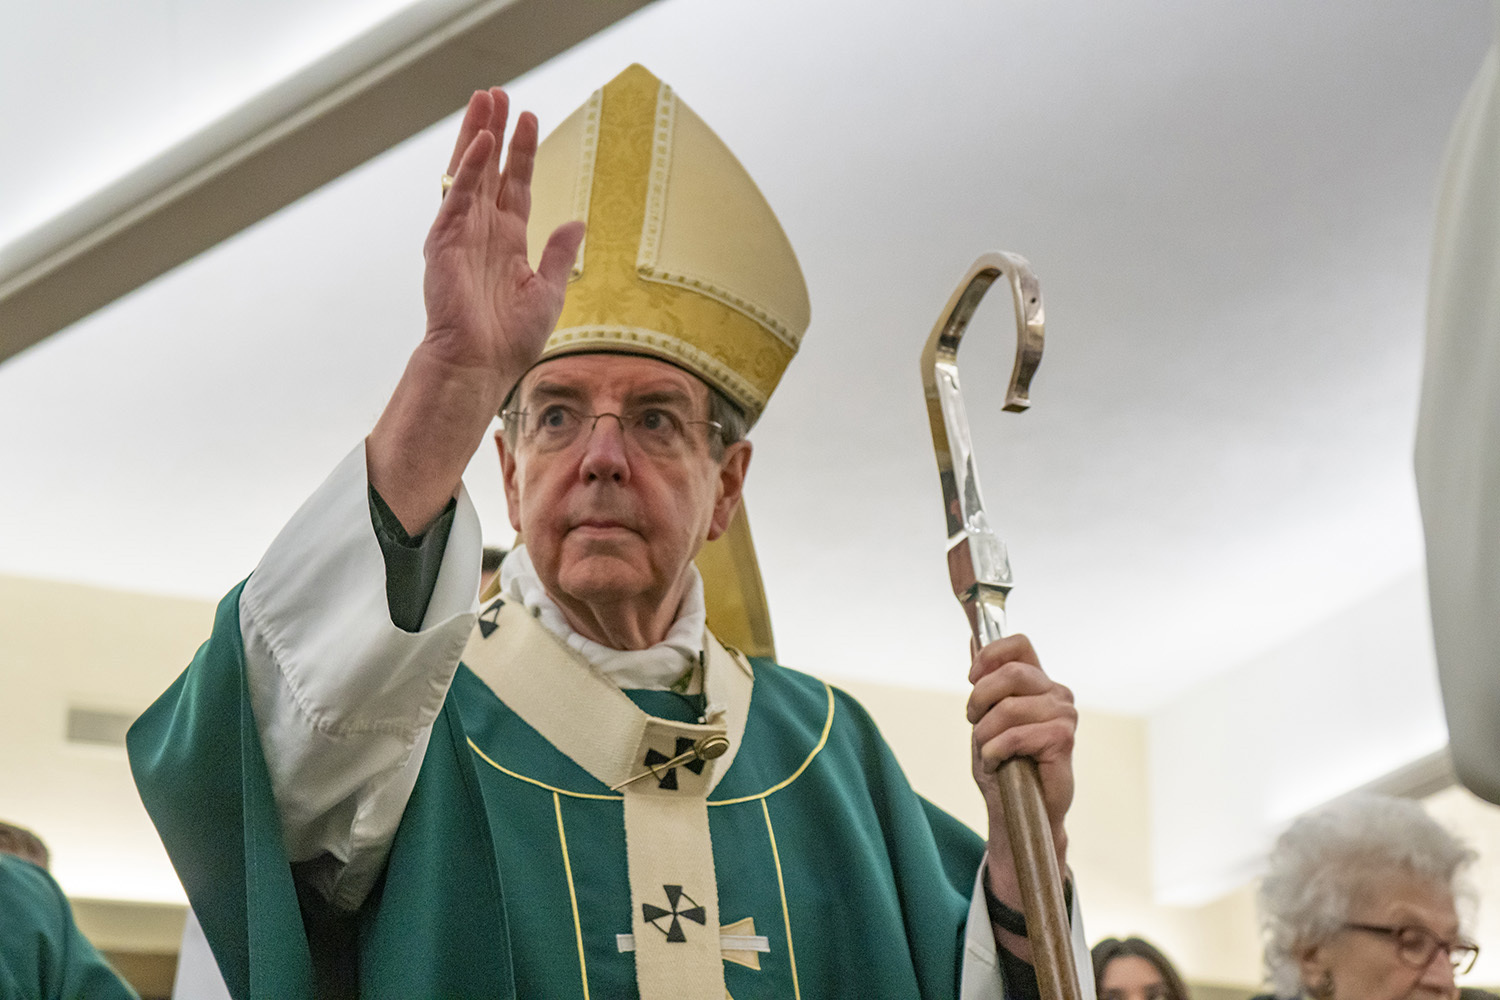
x=486, y=308
x=488, y=315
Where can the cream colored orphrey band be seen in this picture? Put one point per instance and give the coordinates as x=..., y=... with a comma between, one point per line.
x=673, y=889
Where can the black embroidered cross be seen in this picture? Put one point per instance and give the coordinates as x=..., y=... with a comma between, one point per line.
x=675, y=896
x=489, y=620
x=668, y=780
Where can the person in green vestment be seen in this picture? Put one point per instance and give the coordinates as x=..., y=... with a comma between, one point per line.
x=372, y=785
x=43, y=954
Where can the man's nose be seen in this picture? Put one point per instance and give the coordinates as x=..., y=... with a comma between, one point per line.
x=604, y=449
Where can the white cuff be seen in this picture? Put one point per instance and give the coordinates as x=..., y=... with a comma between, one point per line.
x=343, y=698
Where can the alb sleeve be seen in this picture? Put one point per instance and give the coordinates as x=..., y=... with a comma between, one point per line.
x=344, y=696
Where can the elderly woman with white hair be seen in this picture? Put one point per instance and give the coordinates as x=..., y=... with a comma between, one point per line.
x=1361, y=903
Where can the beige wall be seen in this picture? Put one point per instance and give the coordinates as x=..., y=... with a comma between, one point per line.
x=1478, y=823
x=1109, y=828
x=63, y=645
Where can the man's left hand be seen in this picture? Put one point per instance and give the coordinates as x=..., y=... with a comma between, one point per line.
x=1018, y=711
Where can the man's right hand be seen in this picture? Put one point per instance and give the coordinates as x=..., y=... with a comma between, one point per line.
x=486, y=308
x=488, y=315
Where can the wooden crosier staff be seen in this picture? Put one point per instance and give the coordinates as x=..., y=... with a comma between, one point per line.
x=980, y=570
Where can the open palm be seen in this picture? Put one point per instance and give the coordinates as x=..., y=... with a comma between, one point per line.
x=488, y=315
x=487, y=310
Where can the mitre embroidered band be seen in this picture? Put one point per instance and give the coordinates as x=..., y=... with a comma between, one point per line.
x=675, y=925
x=683, y=258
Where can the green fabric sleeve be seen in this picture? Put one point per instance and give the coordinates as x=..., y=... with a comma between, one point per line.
x=921, y=837
x=434, y=926
x=43, y=954
x=412, y=562
x=932, y=856
x=198, y=765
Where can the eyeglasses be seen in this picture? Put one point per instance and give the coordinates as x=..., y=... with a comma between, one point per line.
x=656, y=430
x=1416, y=945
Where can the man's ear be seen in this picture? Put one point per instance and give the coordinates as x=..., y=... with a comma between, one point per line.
x=508, y=473
x=731, y=486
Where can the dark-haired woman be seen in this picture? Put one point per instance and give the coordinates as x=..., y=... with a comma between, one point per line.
x=1135, y=969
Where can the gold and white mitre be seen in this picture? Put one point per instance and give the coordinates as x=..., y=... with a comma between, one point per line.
x=683, y=260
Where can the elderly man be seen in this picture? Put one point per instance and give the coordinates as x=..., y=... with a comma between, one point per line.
x=370, y=789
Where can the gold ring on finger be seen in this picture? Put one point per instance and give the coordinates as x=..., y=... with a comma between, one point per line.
x=447, y=182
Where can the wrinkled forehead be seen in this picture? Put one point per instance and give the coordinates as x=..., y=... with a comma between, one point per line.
x=611, y=378
x=1400, y=896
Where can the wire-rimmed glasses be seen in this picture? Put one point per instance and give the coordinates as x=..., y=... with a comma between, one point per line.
x=655, y=429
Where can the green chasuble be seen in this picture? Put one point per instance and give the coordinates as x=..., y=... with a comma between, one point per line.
x=507, y=877
x=43, y=955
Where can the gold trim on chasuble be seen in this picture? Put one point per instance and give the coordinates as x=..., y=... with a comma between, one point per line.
x=562, y=841
x=786, y=913
x=572, y=793
x=513, y=667
x=669, y=854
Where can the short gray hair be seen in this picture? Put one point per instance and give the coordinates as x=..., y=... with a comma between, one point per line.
x=733, y=424
x=1323, y=860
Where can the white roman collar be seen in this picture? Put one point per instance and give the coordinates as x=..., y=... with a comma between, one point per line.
x=657, y=668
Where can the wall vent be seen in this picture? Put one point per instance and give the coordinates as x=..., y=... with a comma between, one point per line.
x=96, y=726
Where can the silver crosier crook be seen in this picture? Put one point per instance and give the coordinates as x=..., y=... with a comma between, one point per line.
x=979, y=568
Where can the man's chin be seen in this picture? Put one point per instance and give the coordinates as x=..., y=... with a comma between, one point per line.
x=602, y=580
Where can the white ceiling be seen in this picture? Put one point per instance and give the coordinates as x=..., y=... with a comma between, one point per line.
x=1228, y=206
x=97, y=87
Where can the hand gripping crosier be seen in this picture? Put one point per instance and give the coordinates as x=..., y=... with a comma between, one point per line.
x=980, y=570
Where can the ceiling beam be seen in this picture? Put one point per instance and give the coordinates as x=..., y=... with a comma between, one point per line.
x=379, y=89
